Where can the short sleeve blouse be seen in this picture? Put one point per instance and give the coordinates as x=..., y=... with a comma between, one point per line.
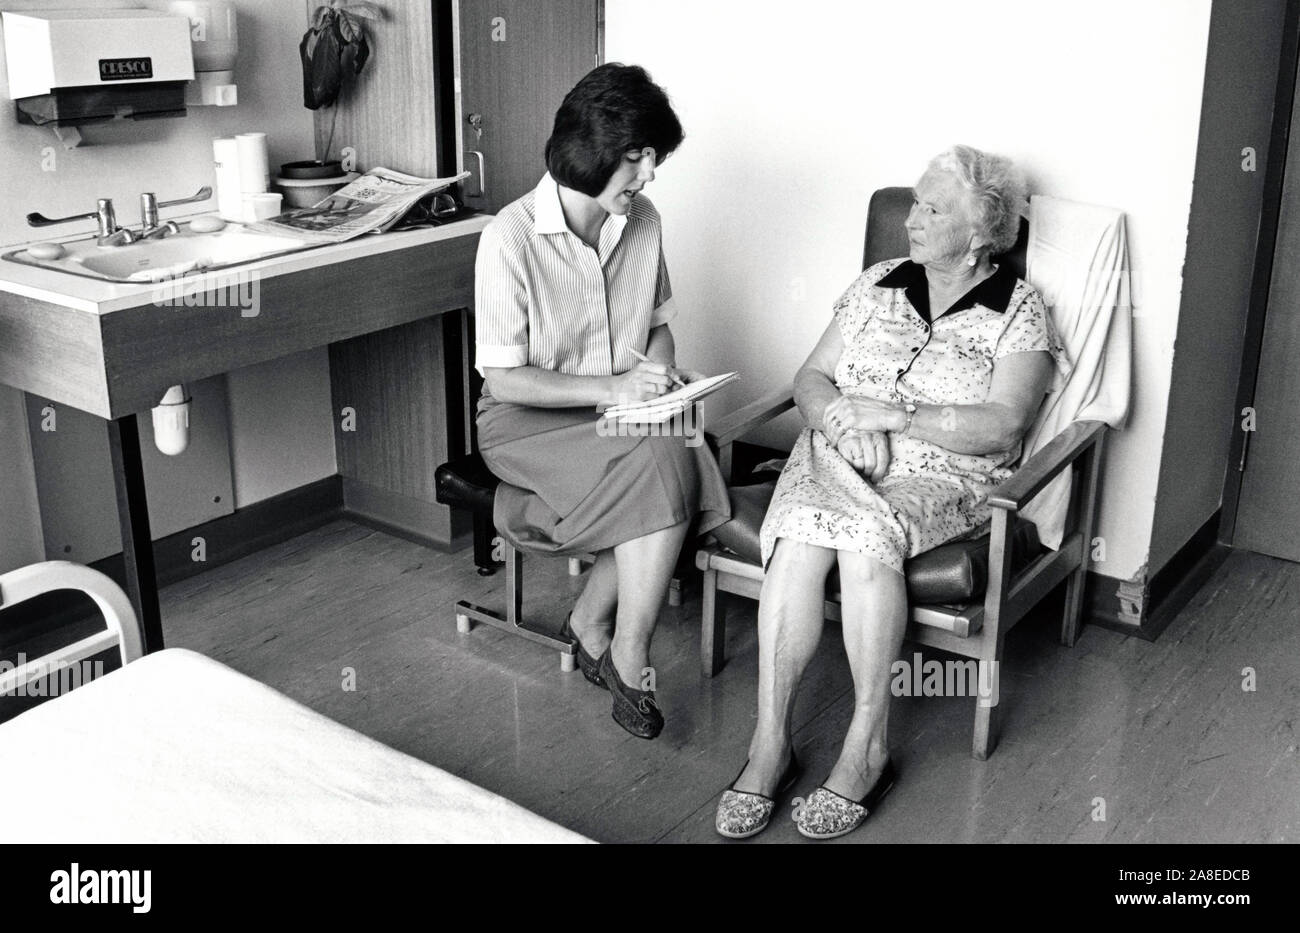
x=545, y=298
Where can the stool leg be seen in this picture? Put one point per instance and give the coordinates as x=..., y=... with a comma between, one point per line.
x=514, y=584
x=483, y=534
x=512, y=620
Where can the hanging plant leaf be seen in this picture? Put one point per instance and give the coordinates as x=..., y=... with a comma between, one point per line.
x=334, y=47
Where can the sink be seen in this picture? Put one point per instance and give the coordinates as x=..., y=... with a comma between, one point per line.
x=187, y=252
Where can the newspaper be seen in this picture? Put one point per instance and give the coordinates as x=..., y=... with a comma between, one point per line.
x=375, y=201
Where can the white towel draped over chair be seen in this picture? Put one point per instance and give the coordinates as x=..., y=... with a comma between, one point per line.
x=1078, y=260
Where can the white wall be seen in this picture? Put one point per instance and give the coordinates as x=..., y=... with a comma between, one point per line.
x=173, y=158
x=795, y=113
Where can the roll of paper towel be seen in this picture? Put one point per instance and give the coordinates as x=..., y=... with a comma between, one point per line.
x=254, y=172
x=225, y=158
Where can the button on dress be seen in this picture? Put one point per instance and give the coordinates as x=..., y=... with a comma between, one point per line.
x=894, y=352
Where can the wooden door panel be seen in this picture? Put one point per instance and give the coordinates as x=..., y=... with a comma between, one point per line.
x=518, y=58
x=1268, y=512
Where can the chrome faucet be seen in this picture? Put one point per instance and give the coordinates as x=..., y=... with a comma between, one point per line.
x=149, y=226
x=110, y=234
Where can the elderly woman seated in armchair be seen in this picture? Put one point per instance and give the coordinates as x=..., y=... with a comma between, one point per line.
x=916, y=398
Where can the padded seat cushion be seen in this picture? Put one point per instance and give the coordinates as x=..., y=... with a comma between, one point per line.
x=466, y=483
x=955, y=572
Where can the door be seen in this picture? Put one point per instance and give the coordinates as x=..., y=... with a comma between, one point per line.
x=1268, y=511
x=518, y=58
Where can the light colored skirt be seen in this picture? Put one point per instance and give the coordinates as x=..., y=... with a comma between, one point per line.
x=567, y=488
x=821, y=499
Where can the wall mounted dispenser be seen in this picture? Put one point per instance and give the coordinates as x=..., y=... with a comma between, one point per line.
x=214, y=39
x=69, y=68
x=171, y=422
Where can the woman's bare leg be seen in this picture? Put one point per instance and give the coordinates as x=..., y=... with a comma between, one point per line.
x=790, y=620
x=644, y=568
x=875, y=618
x=593, y=613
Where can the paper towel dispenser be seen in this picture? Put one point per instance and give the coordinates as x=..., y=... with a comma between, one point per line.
x=69, y=68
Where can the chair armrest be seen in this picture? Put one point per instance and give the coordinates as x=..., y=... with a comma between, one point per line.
x=1044, y=466
x=743, y=420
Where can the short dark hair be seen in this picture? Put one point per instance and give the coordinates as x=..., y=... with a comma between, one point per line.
x=614, y=110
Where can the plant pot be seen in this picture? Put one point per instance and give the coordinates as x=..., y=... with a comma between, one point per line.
x=311, y=169
x=308, y=192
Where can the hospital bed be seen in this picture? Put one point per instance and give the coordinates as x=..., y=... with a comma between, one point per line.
x=177, y=747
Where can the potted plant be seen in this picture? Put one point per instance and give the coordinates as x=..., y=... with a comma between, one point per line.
x=333, y=52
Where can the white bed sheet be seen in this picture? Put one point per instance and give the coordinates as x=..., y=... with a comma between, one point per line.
x=177, y=747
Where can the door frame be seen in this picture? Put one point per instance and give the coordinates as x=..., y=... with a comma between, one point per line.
x=1284, y=100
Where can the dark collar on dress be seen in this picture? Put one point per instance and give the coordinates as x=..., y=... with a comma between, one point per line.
x=993, y=293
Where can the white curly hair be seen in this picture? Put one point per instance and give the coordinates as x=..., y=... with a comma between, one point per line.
x=998, y=190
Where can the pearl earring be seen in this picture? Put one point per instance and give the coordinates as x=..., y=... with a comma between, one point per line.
x=971, y=260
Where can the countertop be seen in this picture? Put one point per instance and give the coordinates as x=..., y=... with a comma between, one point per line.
x=100, y=297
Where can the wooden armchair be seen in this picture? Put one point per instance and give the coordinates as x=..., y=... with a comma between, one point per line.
x=965, y=595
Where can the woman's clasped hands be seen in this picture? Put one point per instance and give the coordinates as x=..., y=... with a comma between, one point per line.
x=861, y=414
x=867, y=453
x=858, y=427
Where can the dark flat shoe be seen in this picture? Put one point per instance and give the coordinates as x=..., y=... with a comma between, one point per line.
x=634, y=710
x=589, y=666
x=742, y=814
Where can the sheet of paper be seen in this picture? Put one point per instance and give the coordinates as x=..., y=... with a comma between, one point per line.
x=659, y=409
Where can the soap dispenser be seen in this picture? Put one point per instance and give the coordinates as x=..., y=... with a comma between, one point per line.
x=214, y=39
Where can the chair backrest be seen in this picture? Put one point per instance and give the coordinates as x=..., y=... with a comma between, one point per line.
x=886, y=237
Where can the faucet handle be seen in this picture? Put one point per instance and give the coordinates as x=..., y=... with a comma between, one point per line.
x=107, y=219
x=149, y=205
x=201, y=195
x=40, y=220
x=148, y=211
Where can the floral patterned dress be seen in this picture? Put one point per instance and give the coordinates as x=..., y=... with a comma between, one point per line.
x=894, y=352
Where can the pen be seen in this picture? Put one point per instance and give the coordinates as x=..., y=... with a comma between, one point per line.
x=645, y=359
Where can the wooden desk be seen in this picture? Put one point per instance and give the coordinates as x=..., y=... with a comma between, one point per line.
x=377, y=303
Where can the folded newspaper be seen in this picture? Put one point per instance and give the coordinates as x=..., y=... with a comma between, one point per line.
x=375, y=201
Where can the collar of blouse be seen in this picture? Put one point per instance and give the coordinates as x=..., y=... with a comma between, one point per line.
x=993, y=293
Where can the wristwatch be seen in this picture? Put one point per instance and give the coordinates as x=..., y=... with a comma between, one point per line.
x=911, y=411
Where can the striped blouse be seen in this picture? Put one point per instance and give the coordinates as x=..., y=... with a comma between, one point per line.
x=545, y=298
